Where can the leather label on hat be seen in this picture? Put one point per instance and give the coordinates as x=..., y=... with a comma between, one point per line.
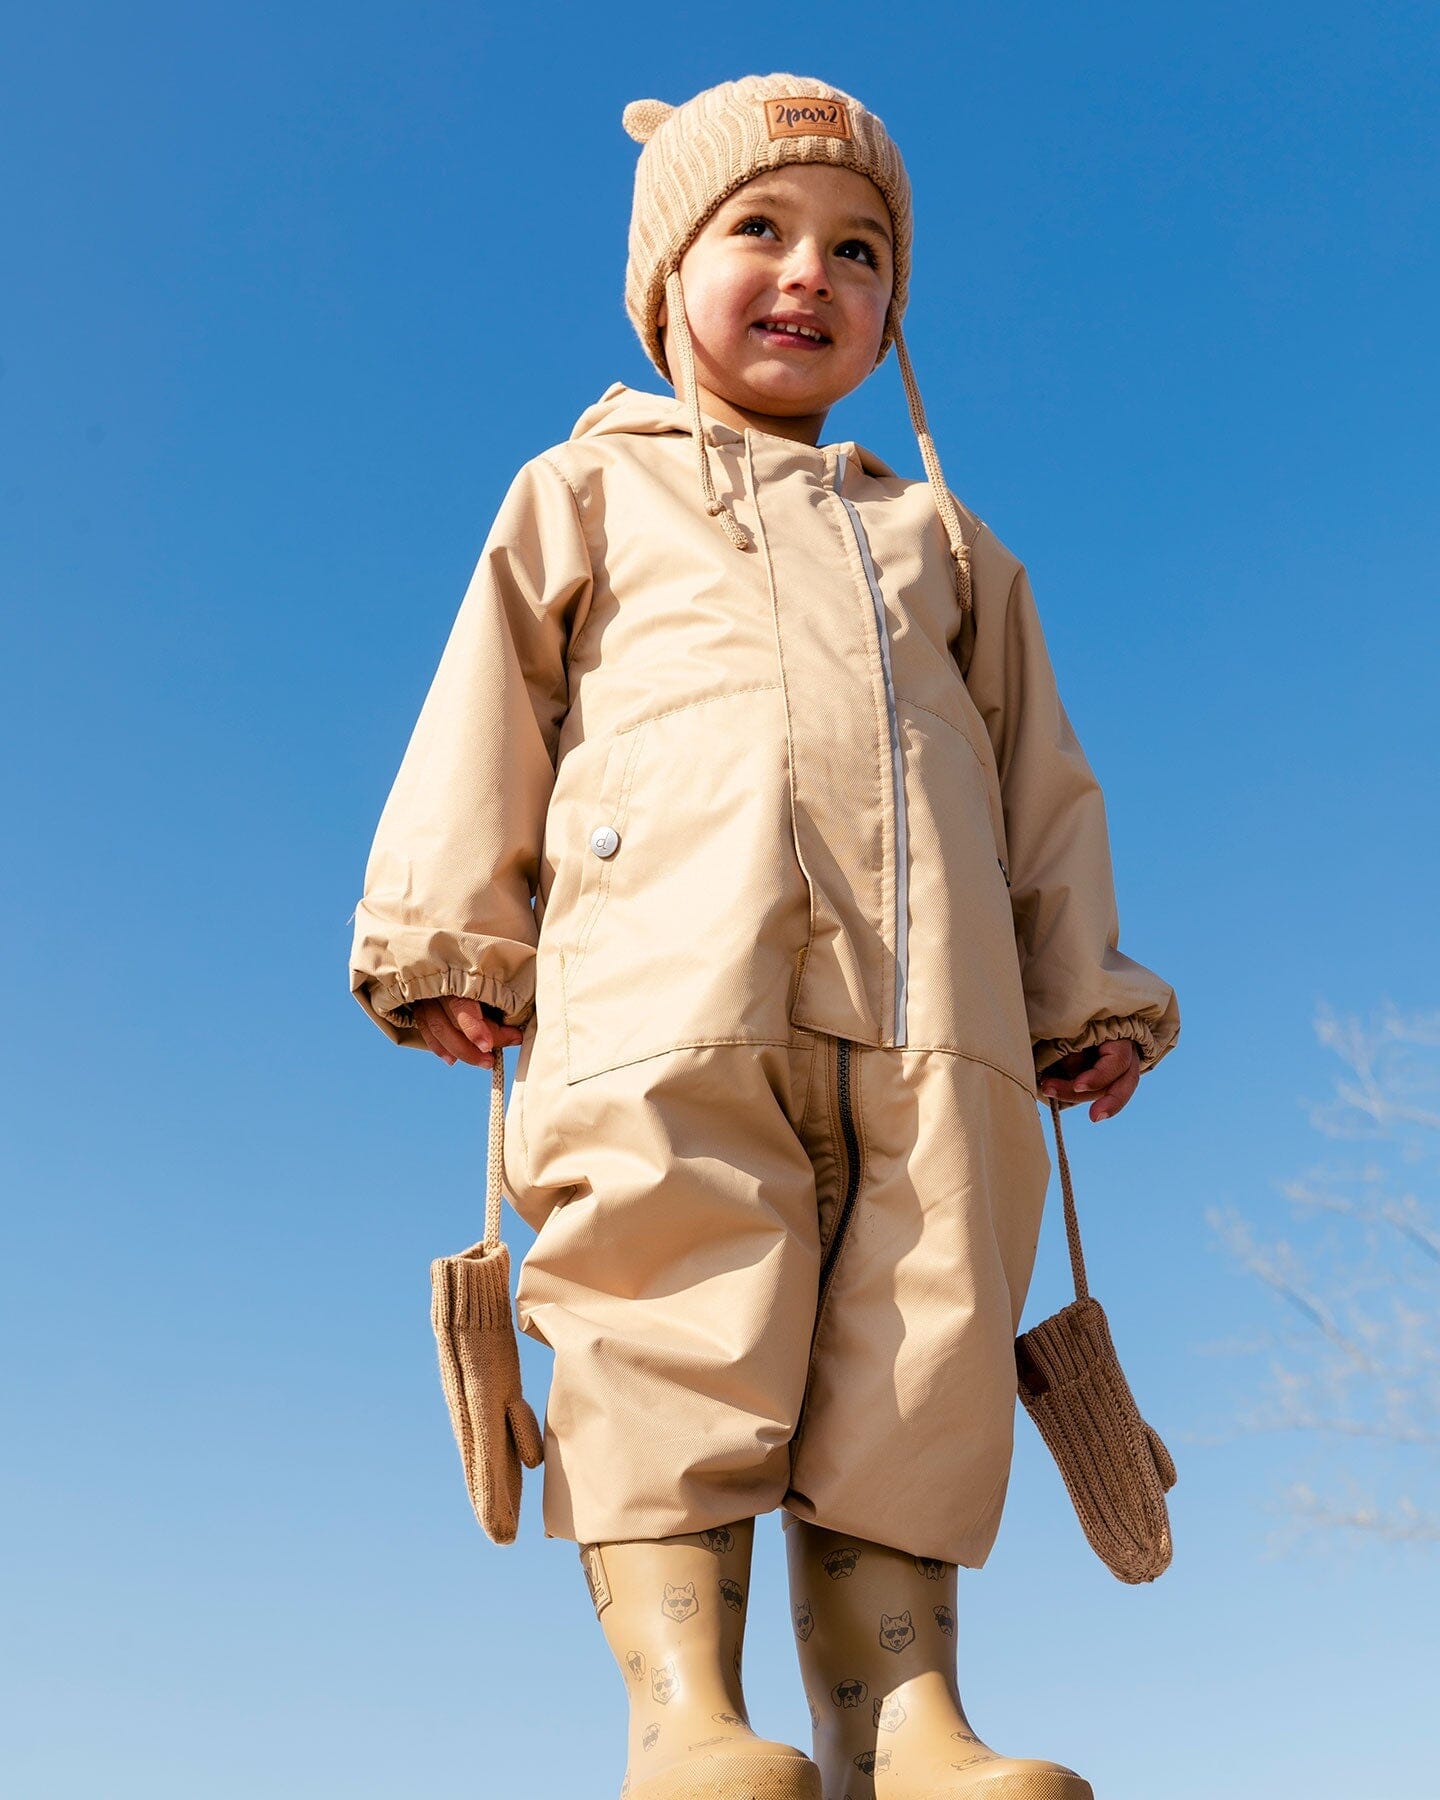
x=807, y=115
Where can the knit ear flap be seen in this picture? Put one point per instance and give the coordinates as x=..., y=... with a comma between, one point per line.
x=643, y=118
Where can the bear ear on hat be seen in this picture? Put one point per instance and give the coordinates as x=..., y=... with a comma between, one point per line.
x=643, y=118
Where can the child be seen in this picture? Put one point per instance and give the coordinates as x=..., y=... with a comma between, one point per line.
x=822, y=900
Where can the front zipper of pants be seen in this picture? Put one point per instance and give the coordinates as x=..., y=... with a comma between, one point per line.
x=852, y=1169
x=897, y=762
x=844, y=1211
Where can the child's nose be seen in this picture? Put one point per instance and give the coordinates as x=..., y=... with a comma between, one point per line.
x=807, y=270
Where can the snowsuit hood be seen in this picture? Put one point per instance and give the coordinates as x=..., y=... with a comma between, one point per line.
x=627, y=410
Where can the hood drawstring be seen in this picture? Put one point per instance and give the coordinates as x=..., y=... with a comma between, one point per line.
x=944, y=504
x=717, y=508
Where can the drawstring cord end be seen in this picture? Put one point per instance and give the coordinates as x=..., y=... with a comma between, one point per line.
x=733, y=529
x=944, y=501
x=715, y=507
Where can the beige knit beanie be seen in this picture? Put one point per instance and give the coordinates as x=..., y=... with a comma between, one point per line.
x=695, y=156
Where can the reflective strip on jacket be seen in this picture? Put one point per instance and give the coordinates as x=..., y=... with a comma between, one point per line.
x=618, y=668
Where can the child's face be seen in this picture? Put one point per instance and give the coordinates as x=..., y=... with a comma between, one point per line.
x=807, y=240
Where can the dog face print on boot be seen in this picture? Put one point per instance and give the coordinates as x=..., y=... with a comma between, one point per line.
x=732, y=1594
x=721, y=1539
x=930, y=1567
x=896, y=1632
x=945, y=1619
x=814, y=1713
x=804, y=1621
x=680, y=1602
x=635, y=1663
x=868, y=1761
x=839, y=1563
x=889, y=1714
x=849, y=1692
x=664, y=1682
x=651, y=1737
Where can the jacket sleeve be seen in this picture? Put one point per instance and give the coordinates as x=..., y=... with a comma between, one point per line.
x=451, y=877
x=1079, y=988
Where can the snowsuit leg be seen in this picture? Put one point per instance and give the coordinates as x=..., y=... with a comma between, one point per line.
x=790, y=1276
x=929, y=1238
x=676, y=1288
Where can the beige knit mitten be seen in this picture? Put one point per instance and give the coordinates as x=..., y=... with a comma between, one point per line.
x=480, y=1360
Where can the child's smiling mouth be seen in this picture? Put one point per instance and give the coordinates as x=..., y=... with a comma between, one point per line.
x=791, y=336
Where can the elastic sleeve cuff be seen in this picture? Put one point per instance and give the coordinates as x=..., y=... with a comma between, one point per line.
x=1099, y=1031
x=390, y=1004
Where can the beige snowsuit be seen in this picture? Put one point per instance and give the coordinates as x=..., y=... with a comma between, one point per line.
x=820, y=879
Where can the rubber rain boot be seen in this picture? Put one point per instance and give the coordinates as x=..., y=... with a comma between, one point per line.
x=673, y=1613
x=875, y=1629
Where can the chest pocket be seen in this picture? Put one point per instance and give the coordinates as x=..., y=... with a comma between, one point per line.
x=679, y=905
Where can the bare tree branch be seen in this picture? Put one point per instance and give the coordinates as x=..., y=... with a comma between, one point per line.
x=1359, y=1360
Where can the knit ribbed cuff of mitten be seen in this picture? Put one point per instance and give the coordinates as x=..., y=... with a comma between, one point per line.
x=495, y=1428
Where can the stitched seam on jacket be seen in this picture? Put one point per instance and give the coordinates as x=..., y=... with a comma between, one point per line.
x=950, y=725
x=632, y=757
x=970, y=1056
x=607, y=873
x=669, y=1050
x=804, y=1112
x=578, y=503
x=754, y=687
x=764, y=544
x=988, y=772
x=884, y=774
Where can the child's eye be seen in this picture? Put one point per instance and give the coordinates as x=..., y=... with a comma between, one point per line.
x=849, y=244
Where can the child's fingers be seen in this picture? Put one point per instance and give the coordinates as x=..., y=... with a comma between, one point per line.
x=1060, y=1079
x=483, y=1032
x=453, y=1042
x=1108, y=1083
x=1119, y=1092
x=480, y=1024
x=467, y=1016
x=428, y=1039
x=1112, y=1059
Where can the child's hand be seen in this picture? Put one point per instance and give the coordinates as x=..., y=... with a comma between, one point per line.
x=462, y=1030
x=1109, y=1071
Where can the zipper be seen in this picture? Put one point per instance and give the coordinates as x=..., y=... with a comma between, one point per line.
x=897, y=764
x=852, y=1168
x=844, y=1212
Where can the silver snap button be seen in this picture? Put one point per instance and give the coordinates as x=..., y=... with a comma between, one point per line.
x=604, y=840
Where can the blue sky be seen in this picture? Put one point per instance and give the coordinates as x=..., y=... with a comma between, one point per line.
x=289, y=294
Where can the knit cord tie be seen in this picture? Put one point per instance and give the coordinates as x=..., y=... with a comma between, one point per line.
x=717, y=508
x=497, y=1148
x=680, y=333
x=1072, y=1222
x=944, y=504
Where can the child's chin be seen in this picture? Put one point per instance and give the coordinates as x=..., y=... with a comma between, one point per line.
x=771, y=376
